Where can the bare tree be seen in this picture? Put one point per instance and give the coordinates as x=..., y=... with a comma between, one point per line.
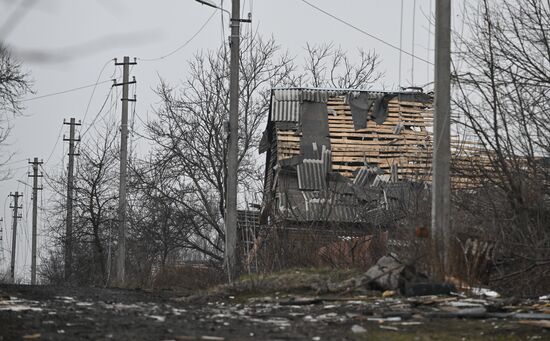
x=95, y=197
x=14, y=85
x=190, y=138
x=158, y=219
x=327, y=66
x=502, y=92
x=14, y=82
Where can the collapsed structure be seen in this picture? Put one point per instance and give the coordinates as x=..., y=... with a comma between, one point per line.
x=341, y=167
x=341, y=155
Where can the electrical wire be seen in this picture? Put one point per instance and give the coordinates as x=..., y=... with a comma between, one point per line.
x=182, y=45
x=95, y=87
x=428, y=79
x=14, y=162
x=66, y=91
x=364, y=32
x=98, y=113
x=413, y=36
x=222, y=26
x=401, y=46
x=56, y=142
x=8, y=237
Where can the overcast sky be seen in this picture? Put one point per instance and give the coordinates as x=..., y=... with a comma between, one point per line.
x=65, y=44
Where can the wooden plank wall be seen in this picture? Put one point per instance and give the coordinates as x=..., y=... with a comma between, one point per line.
x=410, y=149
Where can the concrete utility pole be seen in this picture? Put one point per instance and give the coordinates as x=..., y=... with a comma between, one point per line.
x=35, y=190
x=230, y=256
x=441, y=182
x=16, y=216
x=232, y=150
x=121, y=248
x=70, y=190
x=1, y=238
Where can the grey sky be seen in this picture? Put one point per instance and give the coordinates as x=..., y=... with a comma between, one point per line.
x=79, y=37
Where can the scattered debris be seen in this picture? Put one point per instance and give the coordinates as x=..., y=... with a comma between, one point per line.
x=388, y=293
x=282, y=314
x=385, y=274
x=158, y=318
x=485, y=292
x=543, y=324
x=301, y=301
x=357, y=329
x=389, y=328
x=427, y=288
x=391, y=275
x=532, y=316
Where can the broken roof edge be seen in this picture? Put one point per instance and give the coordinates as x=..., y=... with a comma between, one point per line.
x=348, y=90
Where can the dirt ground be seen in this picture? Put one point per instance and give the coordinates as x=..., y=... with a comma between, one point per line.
x=54, y=313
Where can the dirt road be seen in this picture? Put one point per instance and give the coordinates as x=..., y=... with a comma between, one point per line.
x=48, y=313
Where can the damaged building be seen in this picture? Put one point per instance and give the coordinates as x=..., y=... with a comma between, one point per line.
x=340, y=156
x=341, y=168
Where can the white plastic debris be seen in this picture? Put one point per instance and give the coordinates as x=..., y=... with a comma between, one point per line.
x=309, y=318
x=158, y=318
x=384, y=319
x=463, y=304
x=388, y=328
x=357, y=329
x=485, y=292
x=65, y=298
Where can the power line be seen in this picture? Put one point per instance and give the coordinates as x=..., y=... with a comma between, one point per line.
x=401, y=44
x=14, y=162
x=365, y=32
x=55, y=145
x=184, y=44
x=413, y=36
x=67, y=91
x=95, y=87
x=98, y=113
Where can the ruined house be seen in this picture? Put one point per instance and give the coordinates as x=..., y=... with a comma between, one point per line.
x=341, y=156
x=342, y=166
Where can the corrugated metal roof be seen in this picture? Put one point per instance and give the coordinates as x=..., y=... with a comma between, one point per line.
x=285, y=111
x=315, y=95
x=285, y=105
x=287, y=94
x=312, y=175
x=327, y=159
x=365, y=176
x=380, y=179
